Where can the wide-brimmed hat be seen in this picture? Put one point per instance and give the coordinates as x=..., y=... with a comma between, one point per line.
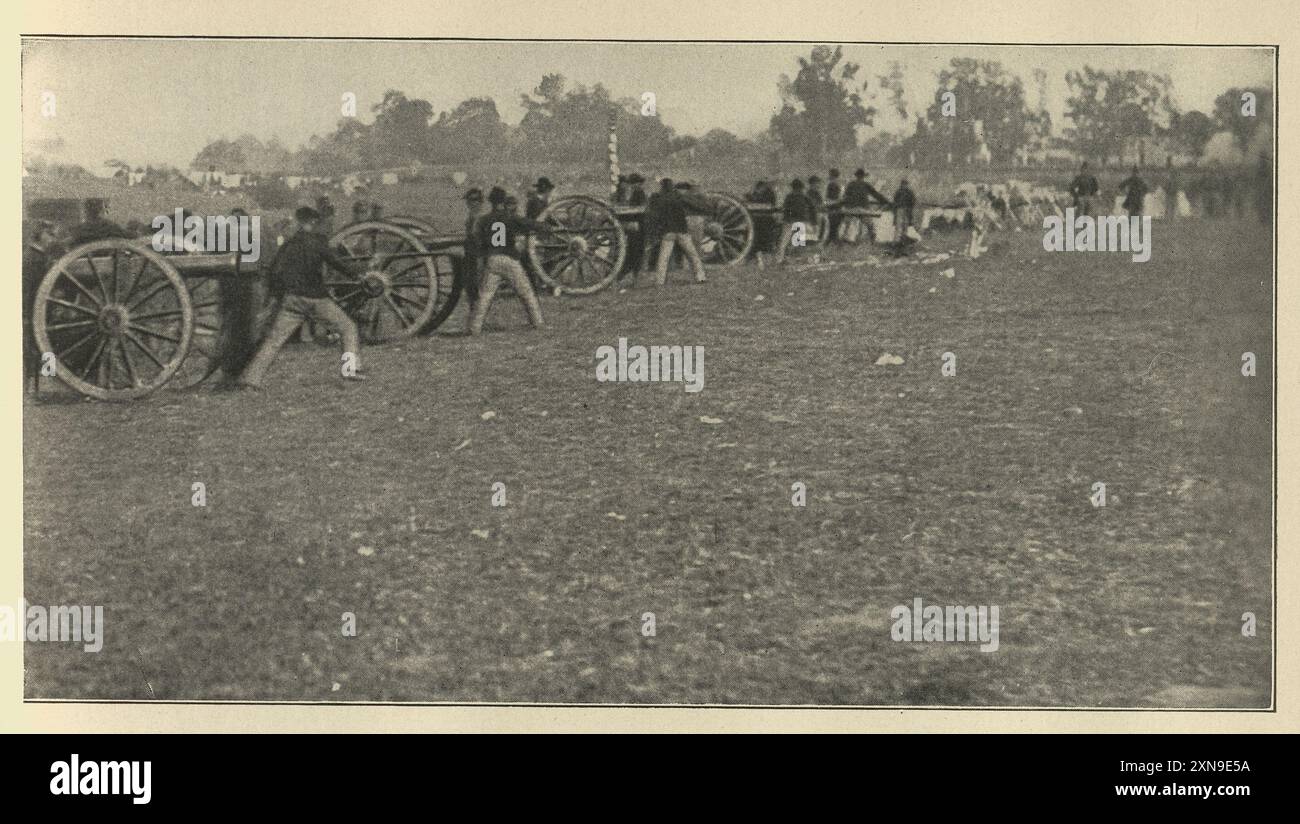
x=306, y=214
x=497, y=196
x=635, y=178
x=474, y=194
x=544, y=184
x=860, y=173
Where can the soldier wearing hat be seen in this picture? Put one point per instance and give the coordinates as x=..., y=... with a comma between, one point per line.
x=620, y=191
x=38, y=254
x=765, y=223
x=1083, y=188
x=858, y=196
x=636, y=190
x=904, y=211
x=471, y=263
x=360, y=211
x=668, y=212
x=96, y=226
x=796, y=210
x=297, y=275
x=539, y=198
x=325, y=216
x=497, y=233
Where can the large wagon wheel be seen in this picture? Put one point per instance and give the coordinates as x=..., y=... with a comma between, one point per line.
x=422, y=229
x=396, y=289
x=584, y=250
x=117, y=317
x=447, y=264
x=209, y=339
x=728, y=232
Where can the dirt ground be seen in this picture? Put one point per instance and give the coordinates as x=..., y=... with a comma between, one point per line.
x=375, y=500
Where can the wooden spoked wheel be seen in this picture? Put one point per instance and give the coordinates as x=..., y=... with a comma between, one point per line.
x=727, y=234
x=394, y=290
x=204, y=357
x=422, y=229
x=584, y=250
x=117, y=318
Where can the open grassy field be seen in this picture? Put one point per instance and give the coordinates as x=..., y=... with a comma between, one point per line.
x=376, y=499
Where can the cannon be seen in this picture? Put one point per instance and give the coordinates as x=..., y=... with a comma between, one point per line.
x=123, y=319
x=588, y=244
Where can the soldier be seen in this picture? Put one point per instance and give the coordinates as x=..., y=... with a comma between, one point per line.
x=833, y=194
x=1135, y=192
x=636, y=190
x=298, y=276
x=96, y=226
x=360, y=211
x=1264, y=189
x=497, y=233
x=620, y=191
x=765, y=232
x=762, y=193
x=38, y=254
x=904, y=210
x=539, y=198
x=471, y=263
x=325, y=209
x=796, y=210
x=1083, y=189
x=858, y=196
x=651, y=228
x=376, y=211
x=671, y=217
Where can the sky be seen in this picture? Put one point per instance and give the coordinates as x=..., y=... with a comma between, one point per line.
x=160, y=101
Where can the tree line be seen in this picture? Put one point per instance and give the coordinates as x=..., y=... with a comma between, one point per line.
x=829, y=108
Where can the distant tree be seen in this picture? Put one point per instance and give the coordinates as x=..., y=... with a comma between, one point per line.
x=470, y=132
x=722, y=145
x=219, y=154
x=1228, y=114
x=821, y=107
x=891, y=87
x=400, y=134
x=1190, y=131
x=573, y=124
x=347, y=149
x=983, y=91
x=566, y=125
x=1108, y=108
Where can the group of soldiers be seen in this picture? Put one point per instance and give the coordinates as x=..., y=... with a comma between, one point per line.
x=845, y=208
x=1214, y=192
x=494, y=252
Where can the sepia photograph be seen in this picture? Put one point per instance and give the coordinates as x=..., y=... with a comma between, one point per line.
x=701, y=373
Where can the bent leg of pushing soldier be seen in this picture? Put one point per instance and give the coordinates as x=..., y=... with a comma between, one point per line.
x=787, y=237
x=294, y=311
x=467, y=272
x=503, y=267
x=678, y=240
x=687, y=244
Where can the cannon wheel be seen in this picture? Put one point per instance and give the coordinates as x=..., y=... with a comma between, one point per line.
x=449, y=287
x=728, y=234
x=399, y=293
x=585, y=249
x=118, y=318
x=204, y=357
x=420, y=228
